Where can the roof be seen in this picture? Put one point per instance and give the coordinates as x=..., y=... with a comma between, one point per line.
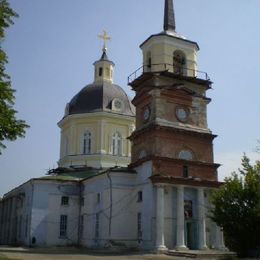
x=98, y=97
x=171, y=34
x=73, y=175
x=79, y=174
x=169, y=25
x=104, y=57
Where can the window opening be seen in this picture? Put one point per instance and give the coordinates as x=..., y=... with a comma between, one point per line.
x=149, y=60
x=139, y=225
x=139, y=196
x=107, y=72
x=97, y=226
x=66, y=150
x=188, y=209
x=179, y=62
x=100, y=72
x=26, y=226
x=87, y=143
x=185, y=171
x=64, y=200
x=63, y=225
x=116, y=144
x=20, y=226
x=82, y=201
x=98, y=197
x=81, y=226
x=185, y=155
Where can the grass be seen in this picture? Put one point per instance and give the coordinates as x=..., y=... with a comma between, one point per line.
x=3, y=257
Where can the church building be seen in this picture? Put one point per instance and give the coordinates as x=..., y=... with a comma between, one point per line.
x=131, y=174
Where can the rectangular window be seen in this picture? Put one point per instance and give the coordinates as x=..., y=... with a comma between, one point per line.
x=98, y=198
x=188, y=209
x=185, y=171
x=139, y=225
x=139, y=196
x=82, y=201
x=26, y=226
x=97, y=226
x=20, y=227
x=63, y=225
x=64, y=200
x=81, y=226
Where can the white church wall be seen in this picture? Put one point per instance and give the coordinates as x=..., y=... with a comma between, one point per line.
x=122, y=220
x=15, y=215
x=46, y=212
x=147, y=207
x=24, y=209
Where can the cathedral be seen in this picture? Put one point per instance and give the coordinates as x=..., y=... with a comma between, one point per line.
x=134, y=174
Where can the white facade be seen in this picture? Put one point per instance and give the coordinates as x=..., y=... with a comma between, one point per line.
x=113, y=208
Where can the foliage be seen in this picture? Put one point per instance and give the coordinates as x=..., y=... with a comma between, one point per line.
x=237, y=208
x=3, y=257
x=10, y=126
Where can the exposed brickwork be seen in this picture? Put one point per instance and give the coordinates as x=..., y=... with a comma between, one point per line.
x=163, y=136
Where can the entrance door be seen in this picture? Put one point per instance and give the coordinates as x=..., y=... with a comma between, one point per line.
x=191, y=235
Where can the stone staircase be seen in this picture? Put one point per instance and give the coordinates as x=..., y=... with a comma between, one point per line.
x=203, y=254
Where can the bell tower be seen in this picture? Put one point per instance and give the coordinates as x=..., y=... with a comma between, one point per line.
x=169, y=50
x=171, y=107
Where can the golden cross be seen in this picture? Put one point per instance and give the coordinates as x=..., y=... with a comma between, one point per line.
x=105, y=38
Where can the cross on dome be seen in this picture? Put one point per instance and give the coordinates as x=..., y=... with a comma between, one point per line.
x=105, y=38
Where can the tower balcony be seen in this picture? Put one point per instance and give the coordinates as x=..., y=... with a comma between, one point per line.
x=180, y=72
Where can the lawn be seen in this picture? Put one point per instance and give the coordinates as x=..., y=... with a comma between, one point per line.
x=2, y=257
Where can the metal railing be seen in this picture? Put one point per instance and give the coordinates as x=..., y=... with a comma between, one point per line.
x=164, y=67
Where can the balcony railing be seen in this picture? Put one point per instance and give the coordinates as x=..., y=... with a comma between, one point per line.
x=164, y=67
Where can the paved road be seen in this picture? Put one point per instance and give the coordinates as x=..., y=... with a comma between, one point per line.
x=32, y=256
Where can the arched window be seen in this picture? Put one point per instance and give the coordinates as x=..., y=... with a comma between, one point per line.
x=66, y=146
x=185, y=155
x=107, y=72
x=149, y=60
x=179, y=62
x=116, y=144
x=142, y=154
x=87, y=143
x=100, y=72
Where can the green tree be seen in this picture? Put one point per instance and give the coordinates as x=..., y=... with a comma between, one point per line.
x=10, y=126
x=237, y=208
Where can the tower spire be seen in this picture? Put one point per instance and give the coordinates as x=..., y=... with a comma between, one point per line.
x=169, y=17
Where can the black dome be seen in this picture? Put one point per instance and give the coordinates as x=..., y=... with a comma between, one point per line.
x=99, y=97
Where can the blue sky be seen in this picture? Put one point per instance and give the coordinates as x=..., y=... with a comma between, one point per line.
x=54, y=43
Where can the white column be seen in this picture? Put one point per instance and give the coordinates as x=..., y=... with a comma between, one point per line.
x=219, y=239
x=180, y=243
x=202, y=220
x=160, y=219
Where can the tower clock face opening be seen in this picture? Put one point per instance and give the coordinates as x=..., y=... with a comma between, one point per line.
x=146, y=113
x=182, y=113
